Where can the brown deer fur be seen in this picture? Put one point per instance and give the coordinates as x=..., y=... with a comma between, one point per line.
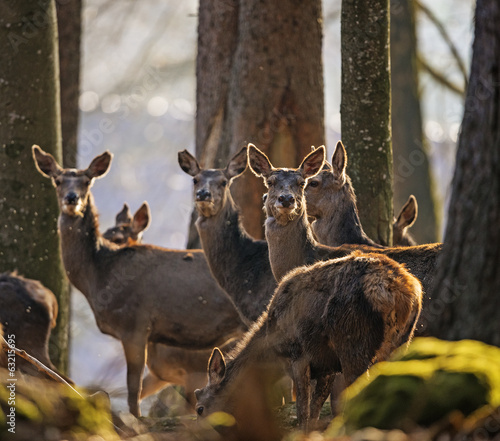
x=139, y=293
x=238, y=262
x=288, y=231
x=341, y=315
x=331, y=201
x=128, y=229
x=28, y=312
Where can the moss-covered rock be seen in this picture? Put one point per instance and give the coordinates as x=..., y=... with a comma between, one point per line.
x=422, y=385
x=44, y=410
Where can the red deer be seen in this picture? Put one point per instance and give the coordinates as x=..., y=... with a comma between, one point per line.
x=288, y=231
x=340, y=315
x=139, y=293
x=128, y=229
x=238, y=262
x=28, y=312
x=167, y=365
x=331, y=201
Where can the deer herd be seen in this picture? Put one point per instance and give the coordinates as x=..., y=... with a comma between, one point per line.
x=317, y=299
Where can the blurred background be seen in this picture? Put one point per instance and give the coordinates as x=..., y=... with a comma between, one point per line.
x=137, y=100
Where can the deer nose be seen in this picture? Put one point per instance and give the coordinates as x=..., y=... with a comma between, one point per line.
x=286, y=200
x=203, y=195
x=71, y=198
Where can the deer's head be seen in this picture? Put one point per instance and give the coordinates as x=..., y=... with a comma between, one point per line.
x=211, y=186
x=285, y=195
x=128, y=230
x=72, y=185
x=328, y=181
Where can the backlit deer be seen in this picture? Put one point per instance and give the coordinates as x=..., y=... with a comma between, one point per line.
x=406, y=218
x=28, y=312
x=128, y=229
x=288, y=231
x=341, y=315
x=167, y=364
x=139, y=293
x=238, y=262
x=331, y=201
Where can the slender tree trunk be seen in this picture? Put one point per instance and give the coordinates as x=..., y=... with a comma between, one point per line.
x=467, y=284
x=259, y=80
x=412, y=174
x=29, y=114
x=69, y=28
x=366, y=111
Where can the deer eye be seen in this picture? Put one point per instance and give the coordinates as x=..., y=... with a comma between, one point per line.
x=302, y=184
x=269, y=183
x=195, y=181
x=313, y=184
x=224, y=183
x=199, y=410
x=58, y=183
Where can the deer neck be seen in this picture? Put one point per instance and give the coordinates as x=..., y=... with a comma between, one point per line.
x=80, y=242
x=239, y=263
x=339, y=221
x=290, y=245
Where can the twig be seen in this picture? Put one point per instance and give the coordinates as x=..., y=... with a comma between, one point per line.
x=444, y=33
x=438, y=76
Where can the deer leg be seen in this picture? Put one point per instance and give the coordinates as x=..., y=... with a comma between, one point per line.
x=337, y=387
x=320, y=394
x=301, y=375
x=135, y=355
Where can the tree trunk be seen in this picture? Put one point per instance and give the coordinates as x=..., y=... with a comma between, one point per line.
x=412, y=174
x=29, y=114
x=467, y=284
x=259, y=80
x=69, y=28
x=366, y=111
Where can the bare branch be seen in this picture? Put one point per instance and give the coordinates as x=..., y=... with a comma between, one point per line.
x=439, y=77
x=444, y=33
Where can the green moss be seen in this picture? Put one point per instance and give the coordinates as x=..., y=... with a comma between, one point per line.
x=423, y=385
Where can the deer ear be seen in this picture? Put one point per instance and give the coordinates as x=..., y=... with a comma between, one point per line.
x=141, y=220
x=408, y=214
x=99, y=165
x=216, y=367
x=237, y=164
x=313, y=162
x=123, y=217
x=259, y=163
x=188, y=163
x=45, y=163
x=339, y=161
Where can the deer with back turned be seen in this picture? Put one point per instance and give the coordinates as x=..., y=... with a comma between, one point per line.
x=288, y=231
x=139, y=293
x=340, y=315
x=331, y=202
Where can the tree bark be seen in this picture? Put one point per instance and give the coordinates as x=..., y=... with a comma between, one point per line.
x=467, y=284
x=29, y=114
x=412, y=174
x=69, y=28
x=366, y=111
x=259, y=80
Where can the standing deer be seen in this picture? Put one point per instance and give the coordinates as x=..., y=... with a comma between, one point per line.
x=128, y=230
x=28, y=312
x=331, y=201
x=167, y=364
x=406, y=218
x=341, y=315
x=237, y=261
x=139, y=293
x=288, y=231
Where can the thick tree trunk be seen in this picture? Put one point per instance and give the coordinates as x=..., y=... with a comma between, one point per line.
x=259, y=80
x=69, y=27
x=366, y=111
x=412, y=174
x=467, y=284
x=29, y=114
